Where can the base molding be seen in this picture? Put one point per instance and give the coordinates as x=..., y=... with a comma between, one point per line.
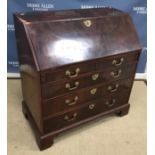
x=44, y=141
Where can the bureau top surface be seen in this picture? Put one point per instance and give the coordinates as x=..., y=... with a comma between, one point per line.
x=58, y=38
x=68, y=14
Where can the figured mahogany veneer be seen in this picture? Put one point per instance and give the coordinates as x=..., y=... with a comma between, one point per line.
x=59, y=104
x=87, y=67
x=85, y=111
x=76, y=66
x=59, y=87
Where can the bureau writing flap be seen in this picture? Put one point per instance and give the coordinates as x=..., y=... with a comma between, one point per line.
x=66, y=37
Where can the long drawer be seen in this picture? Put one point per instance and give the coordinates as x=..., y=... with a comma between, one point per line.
x=72, y=71
x=58, y=88
x=88, y=110
x=76, y=98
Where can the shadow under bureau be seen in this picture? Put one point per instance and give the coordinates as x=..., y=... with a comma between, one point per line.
x=75, y=66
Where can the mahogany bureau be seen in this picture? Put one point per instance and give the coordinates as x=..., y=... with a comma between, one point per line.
x=75, y=66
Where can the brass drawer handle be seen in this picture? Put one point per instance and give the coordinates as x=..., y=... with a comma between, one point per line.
x=91, y=106
x=110, y=103
x=116, y=74
x=70, y=118
x=93, y=91
x=68, y=86
x=95, y=76
x=68, y=102
x=118, y=63
x=113, y=89
x=72, y=74
x=87, y=23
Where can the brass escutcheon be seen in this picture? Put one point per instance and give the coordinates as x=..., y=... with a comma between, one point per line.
x=87, y=23
x=91, y=106
x=95, y=76
x=93, y=91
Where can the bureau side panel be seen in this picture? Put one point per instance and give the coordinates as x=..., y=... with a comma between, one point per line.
x=32, y=96
x=30, y=77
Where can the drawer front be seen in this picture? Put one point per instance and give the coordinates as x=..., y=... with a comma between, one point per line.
x=91, y=109
x=71, y=100
x=73, y=71
x=68, y=72
x=58, y=88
